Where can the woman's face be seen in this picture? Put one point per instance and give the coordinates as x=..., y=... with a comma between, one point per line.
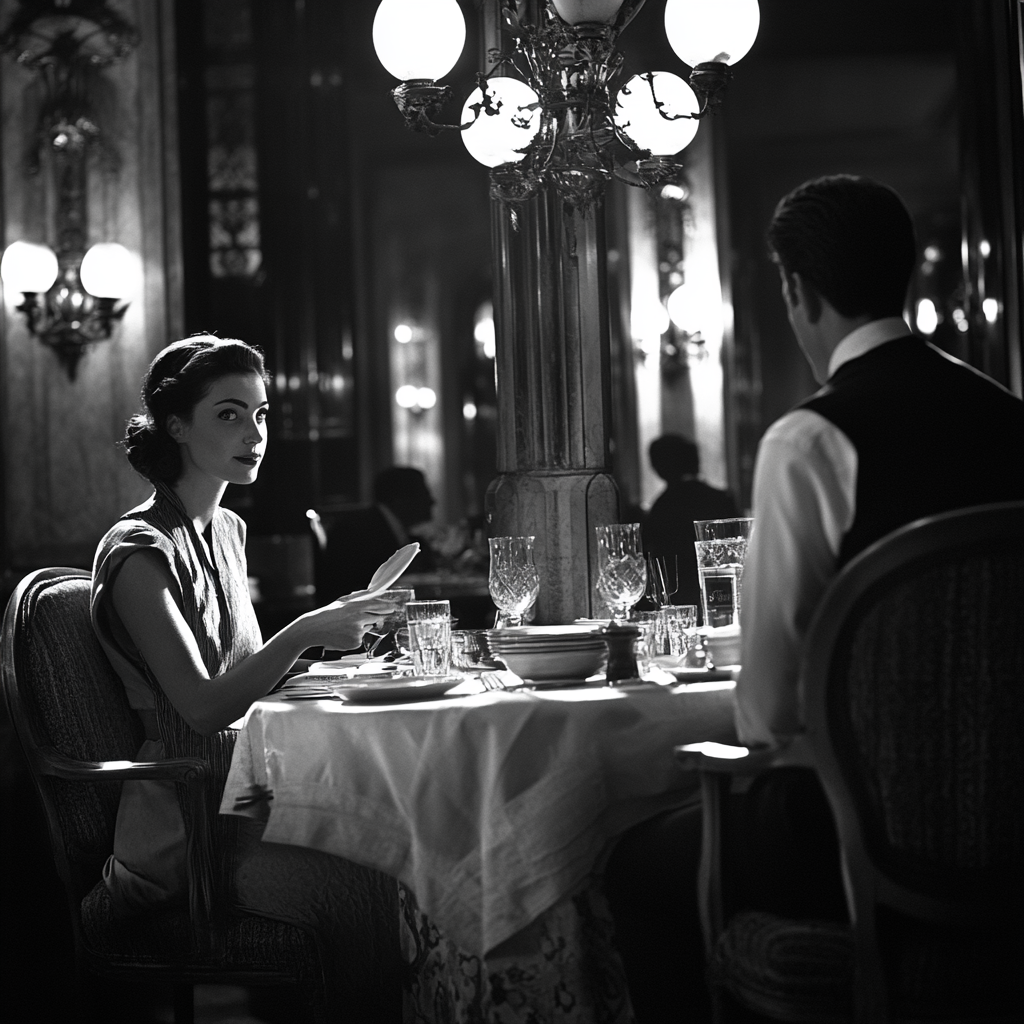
x=226, y=438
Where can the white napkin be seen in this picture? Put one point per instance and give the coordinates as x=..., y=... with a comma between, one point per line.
x=387, y=574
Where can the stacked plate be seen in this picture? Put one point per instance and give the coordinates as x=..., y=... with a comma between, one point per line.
x=549, y=652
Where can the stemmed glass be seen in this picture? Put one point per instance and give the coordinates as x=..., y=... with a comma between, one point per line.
x=514, y=582
x=662, y=579
x=392, y=621
x=622, y=572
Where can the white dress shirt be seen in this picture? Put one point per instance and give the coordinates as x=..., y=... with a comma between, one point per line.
x=805, y=484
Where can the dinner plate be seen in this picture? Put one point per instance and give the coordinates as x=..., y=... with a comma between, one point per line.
x=345, y=665
x=399, y=690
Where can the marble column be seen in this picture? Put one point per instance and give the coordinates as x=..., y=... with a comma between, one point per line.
x=551, y=322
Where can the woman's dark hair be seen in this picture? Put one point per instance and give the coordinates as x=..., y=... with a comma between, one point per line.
x=851, y=238
x=176, y=380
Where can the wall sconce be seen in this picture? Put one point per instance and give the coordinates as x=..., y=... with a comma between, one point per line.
x=69, y=297
x=548, y=112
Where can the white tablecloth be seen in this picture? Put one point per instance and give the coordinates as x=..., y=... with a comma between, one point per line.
x=492, y=807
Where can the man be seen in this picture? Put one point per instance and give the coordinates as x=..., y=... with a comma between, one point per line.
x=668, y=529
x=899, y=431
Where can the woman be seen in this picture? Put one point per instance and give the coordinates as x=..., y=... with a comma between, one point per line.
x=171, y=608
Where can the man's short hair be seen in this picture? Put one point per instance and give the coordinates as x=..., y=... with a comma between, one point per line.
x=397, y=482
x=851, y=239
x=673, y=456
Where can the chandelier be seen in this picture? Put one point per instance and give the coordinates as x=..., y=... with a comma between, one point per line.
x=550, y=111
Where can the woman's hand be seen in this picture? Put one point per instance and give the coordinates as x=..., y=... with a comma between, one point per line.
x=341, y=624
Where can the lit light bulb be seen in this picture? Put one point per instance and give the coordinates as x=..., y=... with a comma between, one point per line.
x=403, y=334
x=493, y=139
x=405, y=396
x=701, y=30
x=27, y=267
x=419, y=40
x=108, y=271
x=426, y=398
x=638, y=116
x=927, y=317
x=649, y=320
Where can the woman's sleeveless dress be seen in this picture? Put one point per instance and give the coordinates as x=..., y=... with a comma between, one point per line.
x=352, y=908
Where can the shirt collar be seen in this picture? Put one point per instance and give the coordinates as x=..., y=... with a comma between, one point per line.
x=866, y=337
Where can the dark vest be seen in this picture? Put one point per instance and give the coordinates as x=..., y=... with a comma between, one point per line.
x=931, y=434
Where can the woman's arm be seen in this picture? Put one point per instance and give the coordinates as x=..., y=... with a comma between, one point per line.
x=144, y=598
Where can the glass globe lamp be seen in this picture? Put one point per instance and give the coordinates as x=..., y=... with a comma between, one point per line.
x=701, y=31
x=107, y=271
x=663, y=131
x=575, y=12
x=419, y=40
x=494, y=139
x=28, y=267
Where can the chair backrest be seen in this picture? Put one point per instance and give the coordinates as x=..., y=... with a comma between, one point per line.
x=913, y=682
x=62, y=693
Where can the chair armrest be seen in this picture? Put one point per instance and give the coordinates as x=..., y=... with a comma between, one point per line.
x=719, y=765
x=52, y=762
x=189, y=774
x=725, y=759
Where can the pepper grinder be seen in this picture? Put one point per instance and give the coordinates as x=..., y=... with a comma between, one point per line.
x=621, y=638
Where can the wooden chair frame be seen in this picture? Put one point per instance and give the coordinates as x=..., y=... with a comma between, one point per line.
x=867, y=884
x=203, y=961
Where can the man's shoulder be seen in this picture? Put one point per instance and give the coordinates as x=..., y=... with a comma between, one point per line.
x=801, y=428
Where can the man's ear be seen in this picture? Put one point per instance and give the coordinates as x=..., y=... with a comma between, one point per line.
x=803, y=293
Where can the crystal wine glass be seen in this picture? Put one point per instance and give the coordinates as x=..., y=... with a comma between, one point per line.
x=514, y=582
x=622, y=572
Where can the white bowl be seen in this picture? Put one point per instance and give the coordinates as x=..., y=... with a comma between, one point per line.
x=554, y=665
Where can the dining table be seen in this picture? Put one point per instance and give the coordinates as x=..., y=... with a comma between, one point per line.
x=495, y=810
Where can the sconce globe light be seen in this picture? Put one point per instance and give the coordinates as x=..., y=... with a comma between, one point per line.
x=657, y=110
x=69, y=297
x=107, y=271
x=575, y=134
x=501, y=138
x=419, y=40
x=700, y=31
x=28, y=267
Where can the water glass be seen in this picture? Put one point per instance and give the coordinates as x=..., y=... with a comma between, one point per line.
x=676, y=629
x=513, y=581
x=430, y=636
x=622, y=571
x=721, y=550
x=380, y=637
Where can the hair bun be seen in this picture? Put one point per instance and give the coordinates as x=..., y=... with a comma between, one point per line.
x=150, y=450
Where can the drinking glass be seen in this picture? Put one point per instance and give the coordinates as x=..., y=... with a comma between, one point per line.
x=721, y=549
x=676, y=629
x=430, y=636
x=662, y=579
x=622, y=572
x=513, y=581
x=380, y=637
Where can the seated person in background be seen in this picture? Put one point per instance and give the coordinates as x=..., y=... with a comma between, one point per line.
x=668, y=529
x=171, y=609
x=359, y=539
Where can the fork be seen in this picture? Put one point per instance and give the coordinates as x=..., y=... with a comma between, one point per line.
x=492, y=681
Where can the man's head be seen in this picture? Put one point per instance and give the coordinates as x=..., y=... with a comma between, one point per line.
x=404, y=490
x=845, y=249
x=673, y=456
